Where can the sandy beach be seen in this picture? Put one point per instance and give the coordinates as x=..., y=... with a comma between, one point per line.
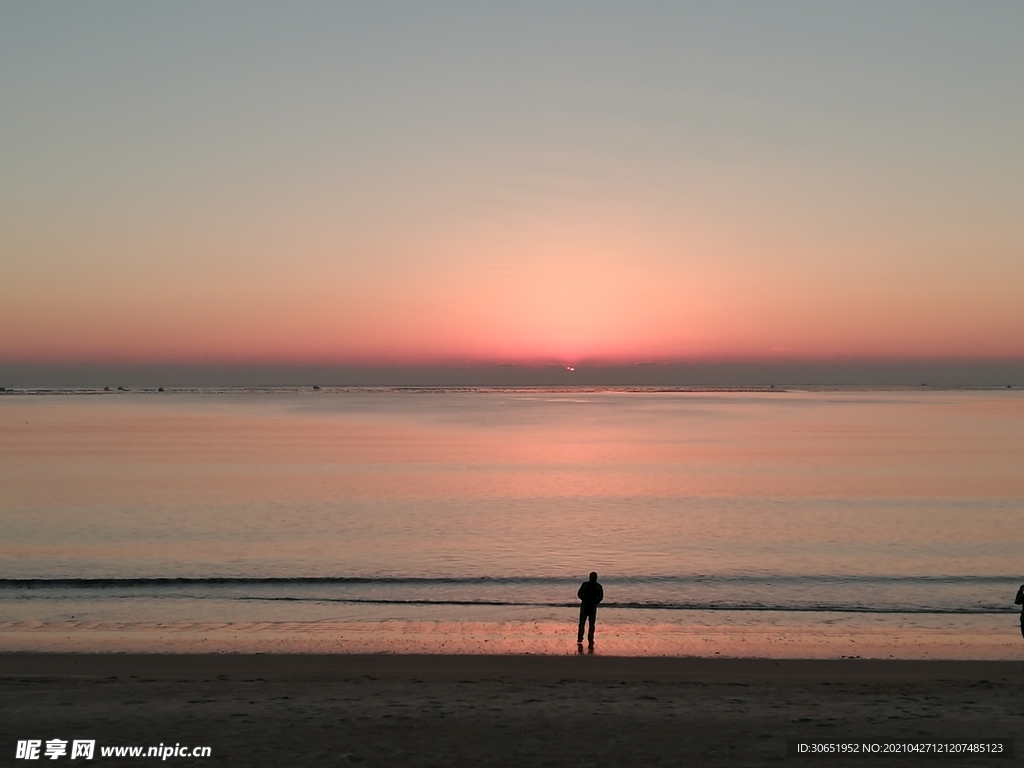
x=409, y=710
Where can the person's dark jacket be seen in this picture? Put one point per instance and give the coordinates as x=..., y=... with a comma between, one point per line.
x=591, y=593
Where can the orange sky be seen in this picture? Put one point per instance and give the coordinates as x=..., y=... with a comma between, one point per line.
x=351, y=186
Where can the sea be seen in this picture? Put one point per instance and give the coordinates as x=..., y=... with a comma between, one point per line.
x=776, y=523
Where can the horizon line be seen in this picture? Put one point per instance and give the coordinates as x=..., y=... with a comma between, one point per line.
x=974, y=372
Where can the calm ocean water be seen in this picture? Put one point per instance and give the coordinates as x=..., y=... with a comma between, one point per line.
x=798, y=523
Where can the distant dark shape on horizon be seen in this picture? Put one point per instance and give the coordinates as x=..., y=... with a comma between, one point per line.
x=760, y=375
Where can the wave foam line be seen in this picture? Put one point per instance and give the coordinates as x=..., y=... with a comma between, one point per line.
x=657, y=606
x=178, y=581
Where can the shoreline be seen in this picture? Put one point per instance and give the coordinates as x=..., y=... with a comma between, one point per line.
x=416, y=632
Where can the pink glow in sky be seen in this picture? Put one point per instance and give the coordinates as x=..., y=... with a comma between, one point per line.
x=517, y=184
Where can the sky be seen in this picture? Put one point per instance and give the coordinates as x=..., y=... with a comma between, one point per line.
x=460, y=184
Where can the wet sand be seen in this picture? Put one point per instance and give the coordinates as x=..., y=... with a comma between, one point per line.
x=408, y=710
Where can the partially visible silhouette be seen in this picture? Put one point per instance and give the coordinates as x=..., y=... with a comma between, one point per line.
x=1020, y=601
x=591, y=593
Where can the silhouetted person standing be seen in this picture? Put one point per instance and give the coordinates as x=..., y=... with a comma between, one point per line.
x=1019, y=601
x=591, y=593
